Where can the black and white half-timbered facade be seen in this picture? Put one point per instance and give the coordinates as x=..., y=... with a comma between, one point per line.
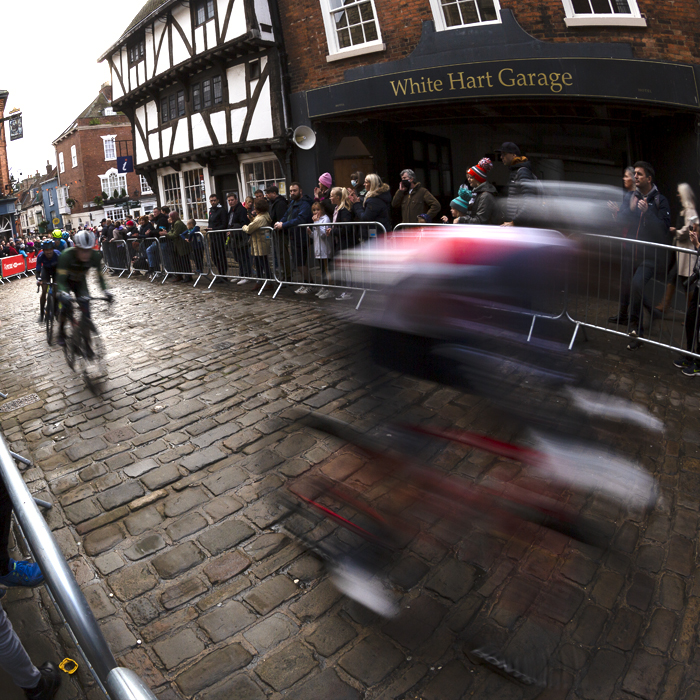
x=201, y=83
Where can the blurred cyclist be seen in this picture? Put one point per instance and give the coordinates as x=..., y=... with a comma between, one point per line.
x=73, y=266
x=58, y=241
x=46, y=263
x=66, y=237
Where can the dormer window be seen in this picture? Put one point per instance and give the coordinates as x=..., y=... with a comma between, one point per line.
x=136, y=52
x=204, y=10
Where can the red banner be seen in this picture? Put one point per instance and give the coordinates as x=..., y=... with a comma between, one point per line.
x=14, y=265
x=31, y=261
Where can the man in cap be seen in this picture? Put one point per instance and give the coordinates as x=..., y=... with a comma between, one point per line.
x=522, y=185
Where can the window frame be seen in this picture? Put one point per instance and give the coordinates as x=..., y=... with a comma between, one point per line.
x=112, y=138
x=50, y=191
x=113, y=172
x=197, y=93
x=182, y=204
x=61, y=162
x=136, y=52
x=172, y=101
x=335, y=52
x=250, y=160
x=441, y=22
x=74, y=156
x=634, y=19
x=205, y=5
x=145, y=187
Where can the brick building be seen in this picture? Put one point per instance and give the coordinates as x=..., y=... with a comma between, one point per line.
x=86, y=153
x=7, y=199
x=585, y=87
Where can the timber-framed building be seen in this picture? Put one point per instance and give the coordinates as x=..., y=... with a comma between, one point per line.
x=201, y=83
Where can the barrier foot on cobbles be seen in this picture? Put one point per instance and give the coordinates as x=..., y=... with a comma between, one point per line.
x=199, y=277
x=364, y=291
x=277, y=291
x=3, y=396
x=167, y=274
x=213, y=279
x=264, y=284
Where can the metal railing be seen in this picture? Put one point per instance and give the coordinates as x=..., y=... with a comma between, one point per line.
x=116, y=682
x=116, y=256
x=234, y=254
x=320, y=256
x=624, y=285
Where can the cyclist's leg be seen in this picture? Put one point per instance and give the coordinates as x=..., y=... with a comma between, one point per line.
x=66, y=312
x=86, y=320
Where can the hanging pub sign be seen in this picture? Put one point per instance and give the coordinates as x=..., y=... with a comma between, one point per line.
x=16, y=127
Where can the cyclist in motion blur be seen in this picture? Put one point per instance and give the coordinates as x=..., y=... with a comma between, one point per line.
x=46, y=264
x=73, y=267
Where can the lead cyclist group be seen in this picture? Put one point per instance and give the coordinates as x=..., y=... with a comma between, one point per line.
x=67, y=267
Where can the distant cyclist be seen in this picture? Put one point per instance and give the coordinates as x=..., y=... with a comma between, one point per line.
x=58, y=241
x=66, y=237
x=73, y=266
x=46, y=263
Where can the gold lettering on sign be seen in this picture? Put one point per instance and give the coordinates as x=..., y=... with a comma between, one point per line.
x=507, y=77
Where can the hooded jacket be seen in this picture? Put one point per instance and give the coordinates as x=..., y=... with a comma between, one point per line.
x=376, y=208
x=522, y=190
x=481, y=205
x=419, y=201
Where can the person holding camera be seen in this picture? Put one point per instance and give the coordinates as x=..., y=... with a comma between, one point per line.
x=689, y=365
x=414, y=200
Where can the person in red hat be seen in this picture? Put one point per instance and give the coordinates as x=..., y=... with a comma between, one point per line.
x=482, y=203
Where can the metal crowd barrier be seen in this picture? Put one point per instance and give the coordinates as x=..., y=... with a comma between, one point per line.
x=177, y=257
x=624, y=285
x=116, y=256
x=230, y=254
x=335, y=268
x=116, y=682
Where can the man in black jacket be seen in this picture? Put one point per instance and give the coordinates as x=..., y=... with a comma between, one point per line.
x=278, y=205
x=217, y=236
x=237, y=219
x=278, y=208
x=522, y=186
x=651, y=222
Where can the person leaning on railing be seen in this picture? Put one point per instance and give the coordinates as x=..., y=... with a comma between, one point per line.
x=689, y=365
x=179, y=247
x=259, y=242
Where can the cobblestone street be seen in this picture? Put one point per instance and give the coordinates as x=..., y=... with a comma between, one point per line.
x=165, y=507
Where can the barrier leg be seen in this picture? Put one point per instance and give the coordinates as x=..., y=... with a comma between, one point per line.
x=3, y=396
x=264, y=284
x=573, y=337
x=277, y=290
x=532, y=328
x=212, y=281
x=364, y=291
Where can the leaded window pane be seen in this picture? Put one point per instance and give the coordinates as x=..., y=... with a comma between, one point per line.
x=181, y=103
x=196, y=98
x=164, y=110
x=487, y=10
x=206, y=93
x=217, y=88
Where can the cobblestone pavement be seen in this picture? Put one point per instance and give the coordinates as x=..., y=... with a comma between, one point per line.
x=164, y=489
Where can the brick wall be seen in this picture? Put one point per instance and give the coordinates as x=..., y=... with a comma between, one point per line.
x=4, y=169
x=673, y=26
x=83, y=180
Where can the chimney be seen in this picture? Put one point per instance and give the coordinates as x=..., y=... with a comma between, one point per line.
x=48, y=168
x=106, y=90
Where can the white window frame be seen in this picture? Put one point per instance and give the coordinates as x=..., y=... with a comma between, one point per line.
x=111, y=139
x=109, y=112
x=61, y=164
x=441, y=24
x=74, y=155
x=244, y=160
x=335, y=53
x=184, y=213
x=633, y=19
x=121, y=182
x=116, y=212
x=50, y=197
x=145, y=187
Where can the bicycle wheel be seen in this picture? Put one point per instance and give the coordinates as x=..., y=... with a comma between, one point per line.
x=49, y=320
x=69, y=350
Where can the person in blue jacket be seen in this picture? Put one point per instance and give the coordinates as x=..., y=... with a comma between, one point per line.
x=298, y=213
x=46, y=263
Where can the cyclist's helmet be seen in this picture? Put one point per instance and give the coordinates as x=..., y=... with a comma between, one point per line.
x=47, y=245
x=84, y=239
x=57, y=233
x=65, y=236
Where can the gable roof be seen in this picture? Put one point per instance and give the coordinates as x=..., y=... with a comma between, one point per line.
x=150, y=9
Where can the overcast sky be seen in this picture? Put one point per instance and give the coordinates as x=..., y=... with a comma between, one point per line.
x=51, y=69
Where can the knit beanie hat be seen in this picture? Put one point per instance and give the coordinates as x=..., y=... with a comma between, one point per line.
x=459, y=204
x=326, y=180
x=480, y=172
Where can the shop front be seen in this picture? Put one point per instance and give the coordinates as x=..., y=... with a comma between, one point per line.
x=579, y=111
